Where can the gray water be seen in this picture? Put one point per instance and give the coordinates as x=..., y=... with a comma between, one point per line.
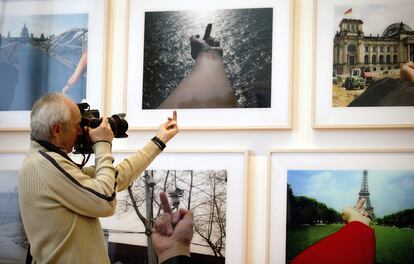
x=39, y=73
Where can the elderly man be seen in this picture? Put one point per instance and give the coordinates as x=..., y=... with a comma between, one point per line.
x=60, y=201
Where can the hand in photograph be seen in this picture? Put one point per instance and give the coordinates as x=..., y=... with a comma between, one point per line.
x=407, y=71
x=357, y=213
x=172, y=232
x=207, y=86
x=206, y=44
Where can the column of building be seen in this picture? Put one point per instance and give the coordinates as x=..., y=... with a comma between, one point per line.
x=360, y=52
x=369, y=54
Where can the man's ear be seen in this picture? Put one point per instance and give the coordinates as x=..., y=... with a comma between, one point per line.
x=56, y=130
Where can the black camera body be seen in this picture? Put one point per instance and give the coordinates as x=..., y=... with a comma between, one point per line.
x=91, y=118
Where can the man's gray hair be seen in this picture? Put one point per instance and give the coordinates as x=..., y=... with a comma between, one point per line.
x=46, y=111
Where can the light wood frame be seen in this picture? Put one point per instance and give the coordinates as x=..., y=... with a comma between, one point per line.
x=236, y=162
x=324, y=115
x=98, y=25
x=282, y=160
x=277, y=117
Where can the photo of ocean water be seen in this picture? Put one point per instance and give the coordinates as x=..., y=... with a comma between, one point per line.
x=246, y=39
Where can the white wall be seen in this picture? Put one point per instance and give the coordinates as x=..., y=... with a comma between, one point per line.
x=259, y=142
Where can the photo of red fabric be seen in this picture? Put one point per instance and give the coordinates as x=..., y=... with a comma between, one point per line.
x=354, y=243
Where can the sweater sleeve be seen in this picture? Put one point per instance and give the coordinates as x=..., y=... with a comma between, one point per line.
x=130, y=168
x=91, y=191
x=354, y=243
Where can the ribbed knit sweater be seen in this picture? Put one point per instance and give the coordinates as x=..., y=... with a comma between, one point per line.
x=61, y=204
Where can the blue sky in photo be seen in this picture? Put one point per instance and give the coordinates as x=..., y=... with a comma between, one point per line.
x=37, y=24
x=376, y=17
x=390, y=191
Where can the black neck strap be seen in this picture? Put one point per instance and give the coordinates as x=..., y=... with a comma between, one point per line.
x=53, y=148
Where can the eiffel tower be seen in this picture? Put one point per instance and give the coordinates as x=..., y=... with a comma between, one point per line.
x=364, y=193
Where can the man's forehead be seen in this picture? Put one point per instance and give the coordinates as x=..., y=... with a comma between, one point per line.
x=73, y=107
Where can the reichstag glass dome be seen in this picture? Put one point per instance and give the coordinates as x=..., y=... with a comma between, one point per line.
x=392, y=30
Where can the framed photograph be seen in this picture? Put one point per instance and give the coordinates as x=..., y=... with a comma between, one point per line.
x=324, y=182
x=364, y=76
x=210, y=183
x=14, y=243
x=50, y=46
x=212, y=63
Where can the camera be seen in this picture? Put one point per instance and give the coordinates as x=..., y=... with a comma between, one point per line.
x=90, y=118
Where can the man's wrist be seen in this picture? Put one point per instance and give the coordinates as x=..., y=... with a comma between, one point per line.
x=159, y=142
x=102, y=146
x=211, y=53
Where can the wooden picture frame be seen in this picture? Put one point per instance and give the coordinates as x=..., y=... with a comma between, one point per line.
x=359, y=50
x=335, y=177
x=50, y=51
x=126, y=237
x=173, y=59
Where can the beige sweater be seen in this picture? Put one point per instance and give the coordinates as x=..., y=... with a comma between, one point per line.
x=60, y=203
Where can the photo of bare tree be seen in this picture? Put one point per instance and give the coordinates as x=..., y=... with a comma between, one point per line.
x=202, y=191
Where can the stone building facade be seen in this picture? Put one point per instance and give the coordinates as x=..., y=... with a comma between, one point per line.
x=377, y=54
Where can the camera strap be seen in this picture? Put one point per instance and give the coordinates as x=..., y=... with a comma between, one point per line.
x=53, y=148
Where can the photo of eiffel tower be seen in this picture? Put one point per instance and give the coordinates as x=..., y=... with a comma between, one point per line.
x=364, y=193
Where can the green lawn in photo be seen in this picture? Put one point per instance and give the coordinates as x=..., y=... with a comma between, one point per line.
x=394, y=245
x=299, y=237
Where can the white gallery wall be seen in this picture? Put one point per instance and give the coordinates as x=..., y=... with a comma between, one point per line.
x=258, y=142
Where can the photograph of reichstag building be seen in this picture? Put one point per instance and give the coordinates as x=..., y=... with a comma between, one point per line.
x=380, y=54
x=370, y=44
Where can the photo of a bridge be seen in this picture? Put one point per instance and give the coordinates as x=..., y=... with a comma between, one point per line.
x=38, y=54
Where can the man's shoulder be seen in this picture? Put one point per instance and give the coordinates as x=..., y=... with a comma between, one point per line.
x=33, y=159
x=31, y=167
x=38, y=160
x=39, y=166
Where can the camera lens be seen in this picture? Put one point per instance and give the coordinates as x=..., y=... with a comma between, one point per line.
x=90, y=118
x=119, y=125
